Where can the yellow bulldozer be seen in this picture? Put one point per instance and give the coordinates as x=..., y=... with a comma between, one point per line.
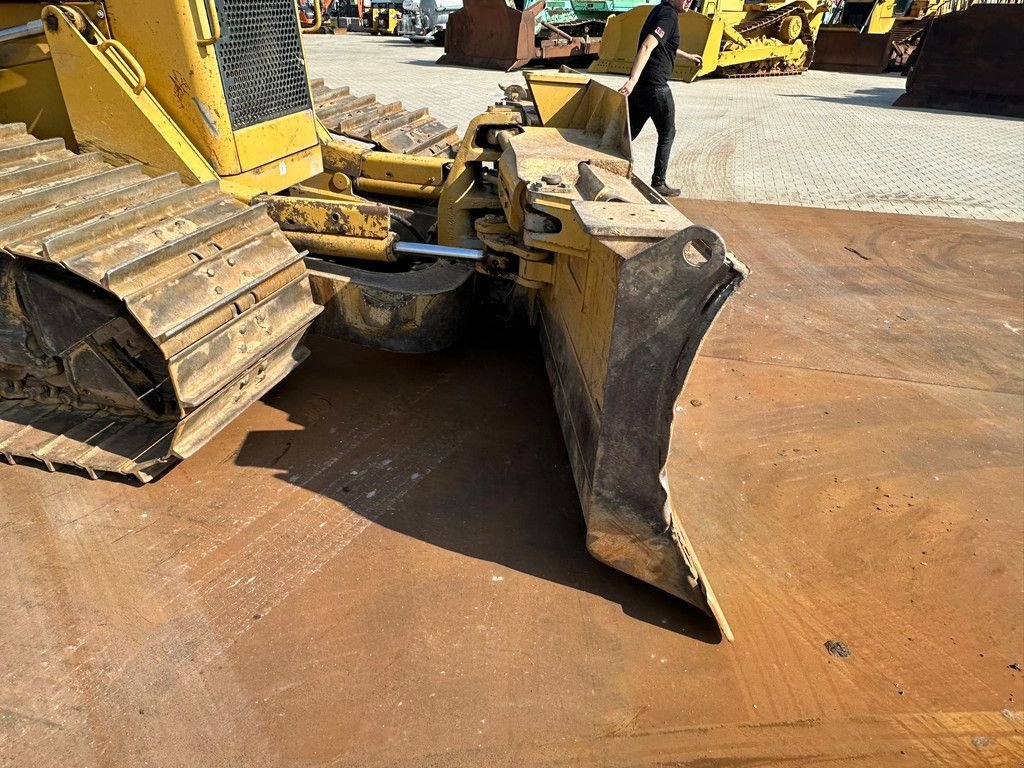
x=733, y=38
x=179, y=205
x=875, y=35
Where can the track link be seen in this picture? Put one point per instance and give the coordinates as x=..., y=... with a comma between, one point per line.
x=390, y=127
x=138, y=316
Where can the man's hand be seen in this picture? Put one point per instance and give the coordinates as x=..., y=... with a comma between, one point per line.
x=695, y=59
x=628, y=87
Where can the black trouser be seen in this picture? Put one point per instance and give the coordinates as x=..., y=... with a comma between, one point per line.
x=655, y=104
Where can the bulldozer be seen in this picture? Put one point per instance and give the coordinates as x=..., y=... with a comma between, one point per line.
x=874, y=36
x=969, y=62
x=509, y=34
x=179, y=206
x=733, y=39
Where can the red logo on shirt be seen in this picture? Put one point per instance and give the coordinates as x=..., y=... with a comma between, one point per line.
x=659, y=32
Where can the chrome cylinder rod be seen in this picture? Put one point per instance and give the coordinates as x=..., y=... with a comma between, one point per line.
x=438, y=251
x=20, y=32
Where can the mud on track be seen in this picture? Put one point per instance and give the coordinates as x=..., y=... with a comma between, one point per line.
x=382, y=564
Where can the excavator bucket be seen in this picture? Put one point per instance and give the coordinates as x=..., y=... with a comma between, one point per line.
x=969, y=61
x=488, y=34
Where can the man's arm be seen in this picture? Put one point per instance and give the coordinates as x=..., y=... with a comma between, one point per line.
x=642, y=57
x=699, y=61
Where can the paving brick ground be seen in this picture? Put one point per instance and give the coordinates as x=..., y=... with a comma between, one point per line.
x=821, y=139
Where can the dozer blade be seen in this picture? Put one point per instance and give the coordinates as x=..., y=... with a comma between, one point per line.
x=390, y=127
x=627, y=287
x=620, y=41
x=618, y=353
x=846, y=49
x=969, y=61
x=698, y=34
x=138, y=316
x=488, y=34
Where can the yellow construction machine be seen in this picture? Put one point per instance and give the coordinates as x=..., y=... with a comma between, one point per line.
x=178, y=204
x=734, y=39
x=385, y=19
x=969, y=61
x=874, y=35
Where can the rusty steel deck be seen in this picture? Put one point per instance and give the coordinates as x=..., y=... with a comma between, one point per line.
x=381, y=564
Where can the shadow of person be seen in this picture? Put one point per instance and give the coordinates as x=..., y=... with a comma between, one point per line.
x=461, y=449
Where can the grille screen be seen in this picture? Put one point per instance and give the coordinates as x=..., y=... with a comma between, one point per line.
x=261, y=62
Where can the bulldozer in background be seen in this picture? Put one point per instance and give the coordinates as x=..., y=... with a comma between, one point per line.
x=178, y=206
x=875, y=35
x=969, y=61
x=509, y=34
x=733, y=38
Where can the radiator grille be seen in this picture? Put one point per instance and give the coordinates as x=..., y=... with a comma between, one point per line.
x=261, y=62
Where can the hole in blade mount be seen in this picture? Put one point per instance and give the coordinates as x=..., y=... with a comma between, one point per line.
x=695, y=253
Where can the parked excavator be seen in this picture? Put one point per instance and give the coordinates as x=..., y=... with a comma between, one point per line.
x=509, y=34
x=733, y=39
x=874, y=35
x=178, y=206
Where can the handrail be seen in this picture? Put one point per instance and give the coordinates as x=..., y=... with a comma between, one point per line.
x=318, y=18
x=215, y=31
x=128, y=61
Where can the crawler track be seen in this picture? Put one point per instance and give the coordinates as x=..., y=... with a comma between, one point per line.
x=390, y=126
x=138, y=316
x=768, y=24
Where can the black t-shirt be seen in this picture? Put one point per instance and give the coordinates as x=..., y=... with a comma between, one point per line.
x=663, y=23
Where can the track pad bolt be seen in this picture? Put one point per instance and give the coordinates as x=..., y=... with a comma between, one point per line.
x=552, y=179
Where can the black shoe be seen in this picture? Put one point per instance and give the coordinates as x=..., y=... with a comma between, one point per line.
x=665, y=190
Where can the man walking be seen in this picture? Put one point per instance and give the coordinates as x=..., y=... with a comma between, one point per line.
x=650, y=97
